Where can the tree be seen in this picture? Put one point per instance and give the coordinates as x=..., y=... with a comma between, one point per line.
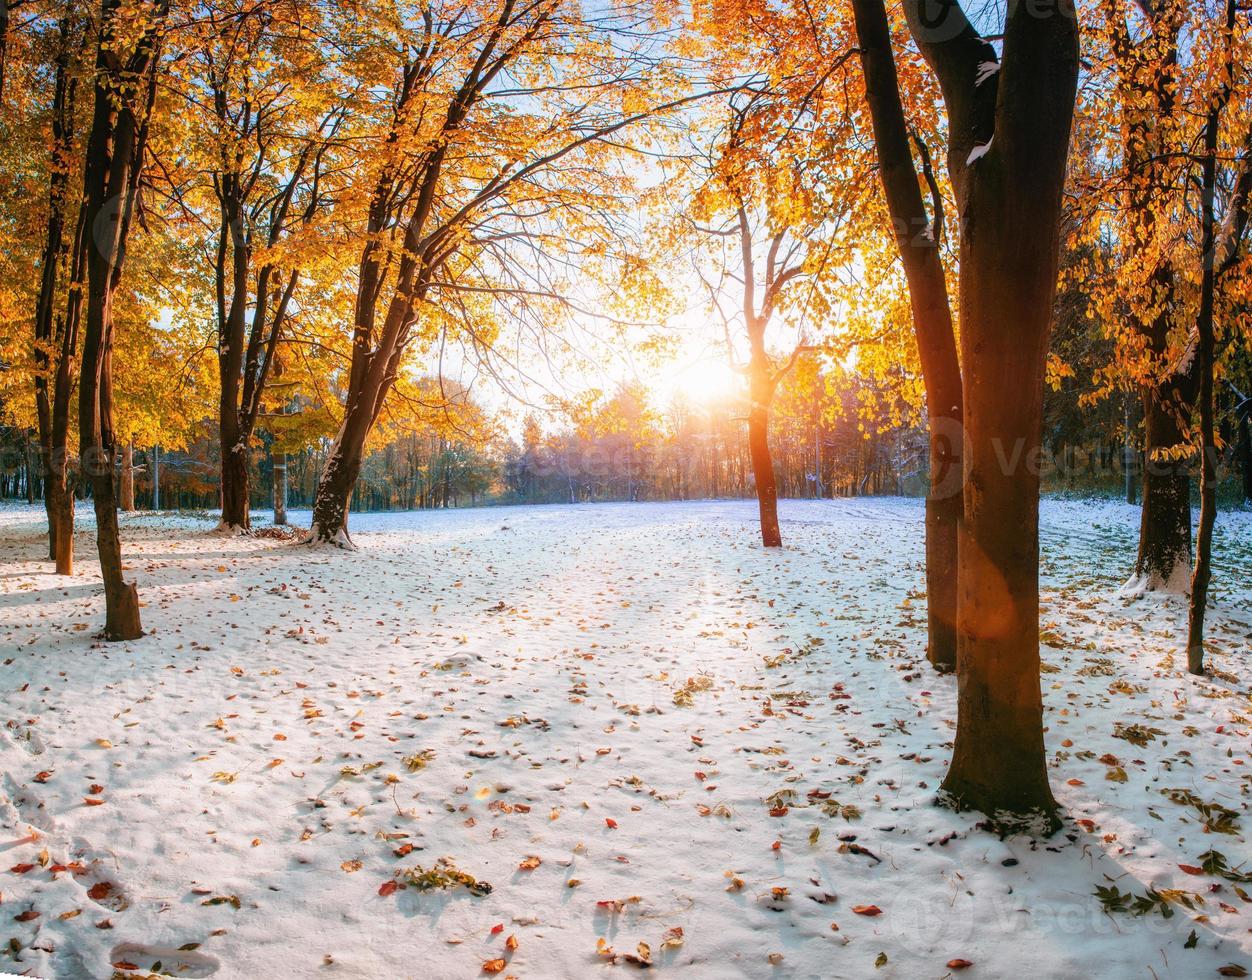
x=488, y=160
x=1009, y=130
x=56, y=333
x=1217, y=254
x=255, y=74
x=128, y=51
x=918, y=238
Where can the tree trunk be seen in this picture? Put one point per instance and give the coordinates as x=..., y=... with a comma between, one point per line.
x=1204, y=328
x=156, y=477
x=1245, y=456
x=918, y=237
x=1165, y=523
x=236, y=513
x=1009, y=196
x=1128, y=454
x=114, y=160
x=128, y=477
x=280, y=489
x=761, y=391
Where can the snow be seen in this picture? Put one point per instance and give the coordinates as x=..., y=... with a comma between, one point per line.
x=623, y=692
x=979, y=151
x=985, y=70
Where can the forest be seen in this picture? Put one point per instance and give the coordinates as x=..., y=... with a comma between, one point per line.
x=434, y=430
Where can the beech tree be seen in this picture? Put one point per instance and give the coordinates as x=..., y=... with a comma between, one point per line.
x=1009, y=129
x=919, y=236
x=58, y=308
x=766, y=218
x=1219, y=249
x=128, y=52
x=256, y=79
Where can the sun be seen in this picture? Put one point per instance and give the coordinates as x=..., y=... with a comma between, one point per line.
x=703, y=381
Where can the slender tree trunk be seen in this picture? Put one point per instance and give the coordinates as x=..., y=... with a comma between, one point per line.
x=1245, y=456
x=128, y=477
x=114, y=159
x=280, y=489
x=1165, y=522
x=761, y=392
x=1129, y=454
x=918, y=237
x=156, y=477
x=1204, y=327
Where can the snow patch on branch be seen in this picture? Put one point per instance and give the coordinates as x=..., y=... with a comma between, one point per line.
x=985, y=70
x=979, y=151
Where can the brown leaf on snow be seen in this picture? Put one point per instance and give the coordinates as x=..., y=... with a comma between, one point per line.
x=494, y=966
x=530, y=863
x=959, y=964
x=867, y=910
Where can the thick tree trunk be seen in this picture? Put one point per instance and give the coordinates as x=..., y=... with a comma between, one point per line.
x=334, y=489
x=114, y=160
x=1164, y=556
x=762, y=462
x=280, y=489
x=128, y=477
x=1009, y=195
x=61, y=518
x=236, y=513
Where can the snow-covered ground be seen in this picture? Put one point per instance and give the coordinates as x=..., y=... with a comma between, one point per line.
x=632, y=721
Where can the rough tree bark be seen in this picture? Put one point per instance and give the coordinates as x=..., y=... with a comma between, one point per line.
x=918, y=238
x=246, y=350
x=1210, y=259
x=1010, y=140
x=125, y=89
x=56, y=336
x=1147, y=66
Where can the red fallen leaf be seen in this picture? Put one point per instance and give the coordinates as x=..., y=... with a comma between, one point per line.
x=125, y=965
x=402, y=850
x=497, y=928
x=610, y=823
x=702, y=776
x=387, y=888
x=21, y=869
x=959, y=964
x=697, y=739
x=776, y=846
x=1191, y=869
x=1087, y=825
x=43, y=777
x=99, y=890
x=88, y=801
x=494, y=966
x=1075, y=782
x=778, y=811
x=26, y=916
x=867, y=910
